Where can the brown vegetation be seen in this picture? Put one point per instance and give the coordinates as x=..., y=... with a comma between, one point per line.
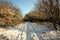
x=35, y=16
x=9, y=14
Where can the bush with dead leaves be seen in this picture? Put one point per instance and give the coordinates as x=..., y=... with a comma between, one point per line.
x=9, y=14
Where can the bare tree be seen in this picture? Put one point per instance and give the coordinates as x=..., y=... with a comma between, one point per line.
x=51, y=8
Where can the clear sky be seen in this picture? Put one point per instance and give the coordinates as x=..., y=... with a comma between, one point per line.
x=24, y=5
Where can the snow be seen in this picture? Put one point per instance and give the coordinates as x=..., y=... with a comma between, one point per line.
x=30, y=31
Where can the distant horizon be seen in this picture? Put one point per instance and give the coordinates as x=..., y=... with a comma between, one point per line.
x=24, y=5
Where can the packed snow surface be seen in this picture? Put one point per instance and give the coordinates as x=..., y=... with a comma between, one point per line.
x=30, y=31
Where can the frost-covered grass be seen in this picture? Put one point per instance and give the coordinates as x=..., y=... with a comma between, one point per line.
x=10, y=34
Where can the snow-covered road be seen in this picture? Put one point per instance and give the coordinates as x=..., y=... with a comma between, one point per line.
x=32, y=31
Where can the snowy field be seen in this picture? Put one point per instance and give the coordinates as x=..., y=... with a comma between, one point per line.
x=29, y=31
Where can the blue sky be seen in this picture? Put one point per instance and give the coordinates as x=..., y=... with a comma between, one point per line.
x=24, y=5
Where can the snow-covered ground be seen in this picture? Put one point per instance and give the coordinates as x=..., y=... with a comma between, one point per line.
x=30, y=31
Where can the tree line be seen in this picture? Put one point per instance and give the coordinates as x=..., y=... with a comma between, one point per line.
x=45, y=10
